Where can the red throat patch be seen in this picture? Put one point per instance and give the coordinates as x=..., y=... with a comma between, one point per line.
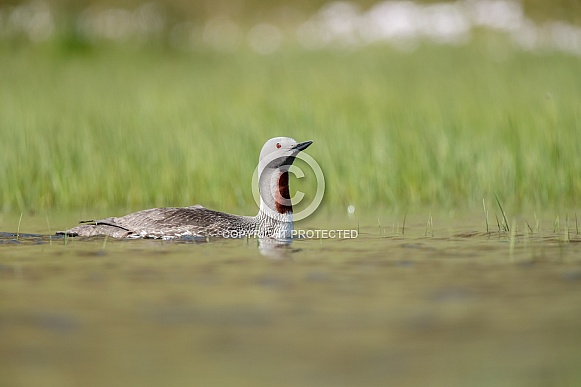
x=282, y=195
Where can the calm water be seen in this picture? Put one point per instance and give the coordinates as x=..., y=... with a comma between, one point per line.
x=461, y=307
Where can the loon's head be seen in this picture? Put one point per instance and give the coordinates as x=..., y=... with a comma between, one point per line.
x=279, y=151
x=276, y=157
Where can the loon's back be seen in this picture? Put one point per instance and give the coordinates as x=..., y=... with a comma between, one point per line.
x=169, y=222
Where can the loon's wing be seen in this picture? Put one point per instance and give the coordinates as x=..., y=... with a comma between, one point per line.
x=163, y=222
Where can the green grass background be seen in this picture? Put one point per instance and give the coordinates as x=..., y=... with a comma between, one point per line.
x=115, y=126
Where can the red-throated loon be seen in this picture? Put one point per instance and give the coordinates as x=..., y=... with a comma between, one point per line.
x=274, y=218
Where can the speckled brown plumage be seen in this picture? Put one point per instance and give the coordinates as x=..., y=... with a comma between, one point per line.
x=169, y=222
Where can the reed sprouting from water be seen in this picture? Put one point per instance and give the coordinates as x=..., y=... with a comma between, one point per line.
x=430, y=225
x=18, y=231
x=505, y=221
x=529, y=227
x=486, y=216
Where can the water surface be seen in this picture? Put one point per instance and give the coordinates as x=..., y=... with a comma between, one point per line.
x=461, y=307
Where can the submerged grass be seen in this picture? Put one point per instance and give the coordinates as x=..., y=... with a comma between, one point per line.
x=114, y=126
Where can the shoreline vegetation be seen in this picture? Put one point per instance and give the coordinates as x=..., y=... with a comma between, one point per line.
x=101, y=124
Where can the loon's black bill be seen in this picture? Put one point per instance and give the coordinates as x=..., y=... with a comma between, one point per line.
x=302, y=145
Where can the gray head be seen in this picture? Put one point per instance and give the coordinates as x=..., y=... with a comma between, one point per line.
x=276, y=157
x=281, y=151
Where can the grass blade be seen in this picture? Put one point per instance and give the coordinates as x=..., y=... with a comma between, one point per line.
x=485, y=216
x=503, y=214
x=49, y=231
x=528, y=225
x=18, y=231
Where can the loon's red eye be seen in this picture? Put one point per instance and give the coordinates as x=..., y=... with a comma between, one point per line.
x=278, y=145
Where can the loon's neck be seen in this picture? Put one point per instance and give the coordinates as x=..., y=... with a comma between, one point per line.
x=276, y=212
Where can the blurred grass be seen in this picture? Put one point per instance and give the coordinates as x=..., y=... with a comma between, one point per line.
x=121, y=127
